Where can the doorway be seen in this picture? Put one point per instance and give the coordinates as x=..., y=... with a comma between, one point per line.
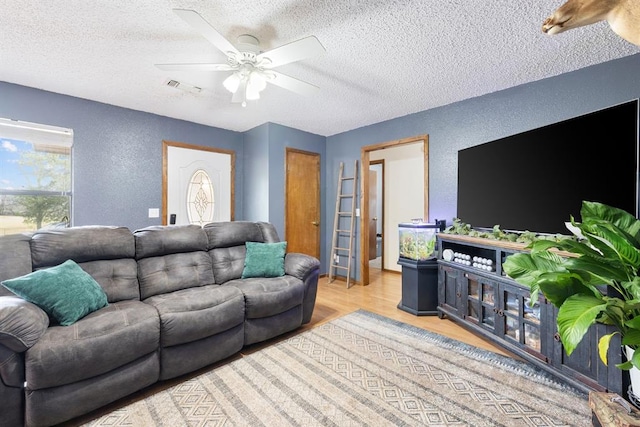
x=302, y=202
x=366, y=153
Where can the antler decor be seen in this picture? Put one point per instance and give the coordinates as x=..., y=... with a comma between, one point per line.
x=623, y=17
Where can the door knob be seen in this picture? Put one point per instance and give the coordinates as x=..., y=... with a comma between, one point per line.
x=316, y=223
x=375, y=218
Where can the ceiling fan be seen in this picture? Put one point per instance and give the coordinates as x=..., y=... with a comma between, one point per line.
x=252, y=69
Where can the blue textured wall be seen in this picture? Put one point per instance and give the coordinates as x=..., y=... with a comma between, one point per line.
x=264, y=165
x=486, y=118
x=118, y=155
x=256, y=177
x=117, y=152
x=281, y=137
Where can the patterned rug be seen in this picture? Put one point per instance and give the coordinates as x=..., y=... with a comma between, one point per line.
x=363, y=370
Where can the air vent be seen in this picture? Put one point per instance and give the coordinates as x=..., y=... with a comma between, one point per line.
x=183, y=86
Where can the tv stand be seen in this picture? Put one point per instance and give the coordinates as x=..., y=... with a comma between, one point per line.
x=487, y=302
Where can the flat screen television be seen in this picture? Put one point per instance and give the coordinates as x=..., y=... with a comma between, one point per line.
x=535, y=180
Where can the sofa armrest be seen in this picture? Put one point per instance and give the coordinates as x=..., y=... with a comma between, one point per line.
x=21, y=323
x=307, y=269
x=300, y=265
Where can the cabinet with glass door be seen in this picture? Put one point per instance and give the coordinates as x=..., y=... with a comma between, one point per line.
x=474, y=291
x=521, y=320
x=481, y=301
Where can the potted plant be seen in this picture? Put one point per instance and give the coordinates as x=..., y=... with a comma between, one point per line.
x=596, y=280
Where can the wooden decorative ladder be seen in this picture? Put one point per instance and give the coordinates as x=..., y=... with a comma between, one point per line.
x=345, y=210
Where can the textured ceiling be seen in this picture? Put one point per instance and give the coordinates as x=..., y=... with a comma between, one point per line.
x=384, y=59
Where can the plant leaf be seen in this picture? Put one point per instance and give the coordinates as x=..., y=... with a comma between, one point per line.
x=618, y=217
x=603, y=347
x=631, y=337
x=635, y=360
x=624, y=366
x=633, y=323
x=612, y=242
x=526, y=267
x=575, y=316
x=601, y=271
x=559, y=286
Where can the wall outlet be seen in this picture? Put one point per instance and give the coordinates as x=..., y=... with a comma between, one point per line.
x=154, y=213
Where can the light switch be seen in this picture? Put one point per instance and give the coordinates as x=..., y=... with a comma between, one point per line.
x=154, y=213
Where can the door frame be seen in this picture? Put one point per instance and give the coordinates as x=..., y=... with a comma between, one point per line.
x=381, y=202
x=364, y=193
x=286, y=195
x=165, y=163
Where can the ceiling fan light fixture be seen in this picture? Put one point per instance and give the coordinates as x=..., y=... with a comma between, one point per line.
x=257, y=81
x=251, y=68
x=232, y=83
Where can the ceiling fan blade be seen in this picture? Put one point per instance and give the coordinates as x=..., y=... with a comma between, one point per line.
x=291, y=52
x=194, y=19
x=292, y=84
x=195, y=67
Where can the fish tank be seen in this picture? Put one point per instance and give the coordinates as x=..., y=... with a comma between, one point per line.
x=417, y=239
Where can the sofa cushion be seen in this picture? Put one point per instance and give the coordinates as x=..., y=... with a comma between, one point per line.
x=227, y=263
x=100, y=342
x=65, y=292
x=161, y=240
x=16, y=258
x=118, y=277
x=88, y=243
x=232, y=233
x=105, y=252
x=227, y=245
x=269, y=296
x=192, y=314
x=169, y=273
x=171, y=258
x=264, y=259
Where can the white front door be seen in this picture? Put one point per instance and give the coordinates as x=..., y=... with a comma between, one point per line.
x=198, y=184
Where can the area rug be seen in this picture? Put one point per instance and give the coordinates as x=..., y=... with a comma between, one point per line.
x=363, y=370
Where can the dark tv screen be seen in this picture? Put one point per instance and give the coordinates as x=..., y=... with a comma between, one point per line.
x=535, y=180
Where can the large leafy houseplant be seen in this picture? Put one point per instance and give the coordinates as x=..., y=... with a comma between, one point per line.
x=597, y=281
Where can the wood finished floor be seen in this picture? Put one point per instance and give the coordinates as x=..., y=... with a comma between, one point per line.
x=382, y=296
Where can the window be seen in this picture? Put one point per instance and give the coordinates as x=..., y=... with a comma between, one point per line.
x=35, y=176
x=200, y=198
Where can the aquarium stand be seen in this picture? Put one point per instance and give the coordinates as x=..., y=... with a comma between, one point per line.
x=419, y=286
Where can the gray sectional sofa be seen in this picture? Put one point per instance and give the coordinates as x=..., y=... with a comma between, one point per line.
x=176, y=302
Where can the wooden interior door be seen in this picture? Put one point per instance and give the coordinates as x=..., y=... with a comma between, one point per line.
x=302, y=202
x=373, y=219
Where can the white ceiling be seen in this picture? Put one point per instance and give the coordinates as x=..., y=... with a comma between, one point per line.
x=384, y=59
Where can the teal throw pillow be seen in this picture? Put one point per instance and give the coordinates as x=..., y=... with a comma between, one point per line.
x=264, y=259
x=65, y=292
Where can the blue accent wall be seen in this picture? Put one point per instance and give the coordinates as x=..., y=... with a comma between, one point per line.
x=256, y=177
x=281, y=137
x=486, y=118
x=117, y=152
x=264, y=164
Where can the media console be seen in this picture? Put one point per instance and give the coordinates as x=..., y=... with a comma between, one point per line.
x=478, y=295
